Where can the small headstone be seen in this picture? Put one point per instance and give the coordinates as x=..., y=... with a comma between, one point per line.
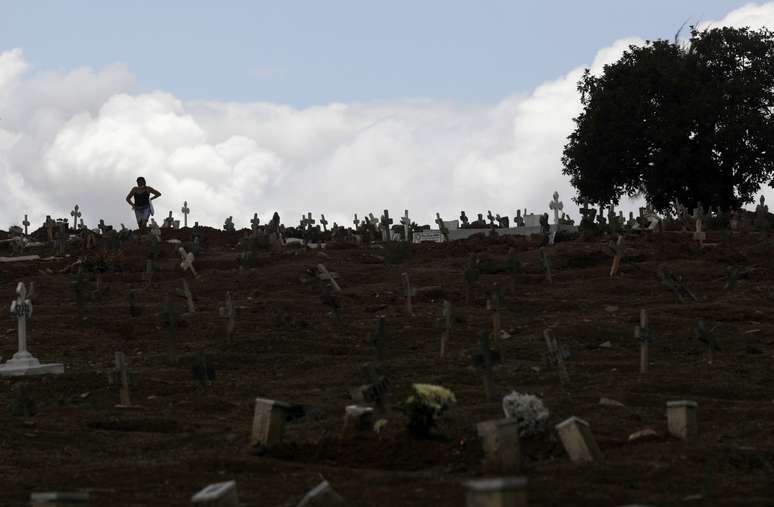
x=221, y=494
x=322, y=495
x=576, y=437
x=498, y=492
x=681, y=419
x=268, y=422
x=501, y=444
x=357, y=418
x=228, y=225
x=326, y=275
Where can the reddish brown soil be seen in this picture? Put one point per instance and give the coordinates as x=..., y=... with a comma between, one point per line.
x=289, y=347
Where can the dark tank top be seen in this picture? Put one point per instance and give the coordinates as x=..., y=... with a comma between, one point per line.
x=142, y=200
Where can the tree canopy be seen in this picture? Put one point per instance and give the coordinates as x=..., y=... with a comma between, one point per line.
x=677, y=122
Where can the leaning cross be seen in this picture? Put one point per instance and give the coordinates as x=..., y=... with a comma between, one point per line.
x=555, y=355
x=645, y=335
x=324, y=223
x=21, y=309
x=76, y=214
x=186, y=293
x=187, y=260
x=326, y=275
x=228, y=312
x=26, y=224
x=184, y=210
x=490, y=217
x=442, y=227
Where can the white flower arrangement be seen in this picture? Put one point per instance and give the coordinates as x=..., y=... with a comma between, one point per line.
x=528, y=410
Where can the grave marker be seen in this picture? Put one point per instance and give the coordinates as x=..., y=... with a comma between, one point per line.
x=555, y=355
x=185, y=210
x=617, y=249
x=681, y=419
x=494, y=302
x=324, y=223
x=76, y=214
x=545, y=262
x=386, y=222
x=26, y=224
x=356, y=222
x=186, y=293
x=269, y=419
x=23, y=362
x=322, y=495
x=187, y=261
x=406, y=221
x=376, y=340
x=576, y=437
x=446, y=317
x=645, y=335
x=410, y=291
x=228, y=312
x=501, y=445
x=484, y=361
x=498, y=492
x=707, y=335
x=255, y=222
x=119, y=375
x=220, y=494
x=699, y=235
x=357, y=418
x=442, y=227
x=326, y=275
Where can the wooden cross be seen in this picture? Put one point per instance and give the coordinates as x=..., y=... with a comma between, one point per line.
x=386, y=222
x=645, y=335
x=409, y=293
x=307, y=221
x=472, y=272
x=406, y=221
x=25, y=223
x=326, y=275
x=324, y=223
x=228, y=312
x=494, y=302
x=186, y=293
x=483, y=361
x=120, y=375
x=676, y=284
x=255, y=222
x=184, y=210
x=76, y=214
x=490, y=217
x=21, y=310
x=617, y=249
x=356, y=222
x=446, y=317
x=707, y=335
x=187, y=260
x=556, y=205
x=442, y=227
x=101, y=226
x=50, y=228
x=555, y=355
x=546, y=263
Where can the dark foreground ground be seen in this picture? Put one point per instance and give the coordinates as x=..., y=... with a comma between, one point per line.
x=288, y=346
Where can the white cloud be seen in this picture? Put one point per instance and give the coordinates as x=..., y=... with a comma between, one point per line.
x=752, y=15
x=85, y=135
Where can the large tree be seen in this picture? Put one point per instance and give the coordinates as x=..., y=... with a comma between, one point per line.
x=676, y=122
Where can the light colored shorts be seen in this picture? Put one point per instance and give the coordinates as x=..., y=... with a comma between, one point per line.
x=142, y=214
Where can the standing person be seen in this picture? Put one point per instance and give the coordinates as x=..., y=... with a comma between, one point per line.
x=143, y=209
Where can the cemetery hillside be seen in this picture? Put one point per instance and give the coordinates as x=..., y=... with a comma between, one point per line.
x=486, y=360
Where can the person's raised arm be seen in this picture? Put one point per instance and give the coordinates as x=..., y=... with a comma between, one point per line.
x=153, y=191
x=129, y=197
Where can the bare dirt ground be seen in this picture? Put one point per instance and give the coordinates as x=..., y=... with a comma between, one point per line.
x=289, y=346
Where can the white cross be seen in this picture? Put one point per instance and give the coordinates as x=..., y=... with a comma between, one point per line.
x=76, y=215
x=188, y=259
x=26, y=224
x=184, y=210
x=406, y=221
x=21, y=309
x=557, y=206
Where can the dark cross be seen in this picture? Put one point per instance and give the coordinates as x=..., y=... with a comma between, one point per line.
x=76, y=214
x=376, y=339
x=386, y=222
x=472, y=272
x=410, y=291
x=483, y=362
x=356, y=222
x=490, y=217
x=707, y=335
x=645, y=335
x=170, y=314
x=255, y=222
x=25, y=223
x=617, y=250
x=546, y=263
x=61, y=240
x=494, y=302
x=50, y=228
x=185, y=210
x=228, y=312
x=324, y=223
x=463, y=219
x=202, y=370
x=555, y=355
x=676, y=284
x=307, y=221
x=119, y=375
x=446, y=321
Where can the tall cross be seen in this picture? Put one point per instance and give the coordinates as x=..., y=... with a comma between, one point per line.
x=228, y=312
x=356, y=222
x=187, y=260
x=101, y=226
x=645, y=335
x=255, y=222
x=406, y=221
x=184, y=210
x=76, y=214
x=26, y=224
x=386, y=223
x=21, y=309
x=324, y=223
x=557, y=206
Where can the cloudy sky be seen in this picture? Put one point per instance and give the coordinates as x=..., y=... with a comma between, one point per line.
x=335, y=107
